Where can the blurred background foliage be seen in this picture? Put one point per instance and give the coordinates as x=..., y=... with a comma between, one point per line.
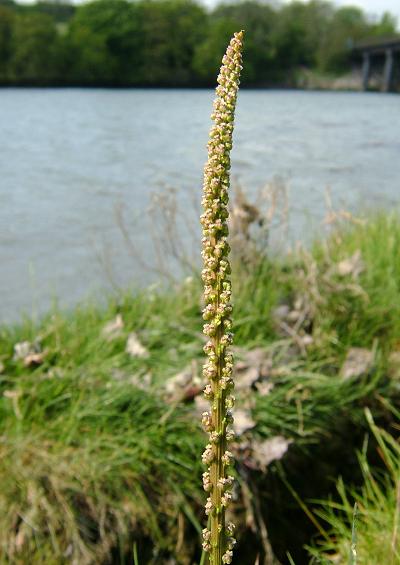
x=175, y=42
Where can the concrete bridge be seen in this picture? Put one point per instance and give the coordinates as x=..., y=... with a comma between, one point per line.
x=386, y=51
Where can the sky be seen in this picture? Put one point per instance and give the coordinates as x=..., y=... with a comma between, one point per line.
x=374, y=7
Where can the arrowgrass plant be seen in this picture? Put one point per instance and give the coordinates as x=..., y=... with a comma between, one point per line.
x=218, y=540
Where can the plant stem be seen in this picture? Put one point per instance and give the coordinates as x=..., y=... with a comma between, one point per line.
x=218, y=540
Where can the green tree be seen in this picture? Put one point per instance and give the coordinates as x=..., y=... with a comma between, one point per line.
x=6, y=41
x=387, y=26
x=299, y=31
x=60, y=12
x=34, y=45
x=347, y=26
x=207, y=55
x=175, y=42
x=258, y=20
x=104, y=42
x=171, y=31
x=151, y=42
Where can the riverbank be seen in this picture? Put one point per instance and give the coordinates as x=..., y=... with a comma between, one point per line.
x=100, y=438
x=301, y=79
x=351, y=81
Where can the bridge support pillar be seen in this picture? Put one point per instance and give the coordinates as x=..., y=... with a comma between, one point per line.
x=365, y=70
x=388, y=71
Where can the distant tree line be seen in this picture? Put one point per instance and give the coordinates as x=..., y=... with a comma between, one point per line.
x=174, y=42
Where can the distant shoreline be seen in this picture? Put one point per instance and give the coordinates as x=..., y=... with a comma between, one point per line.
x=190, y=88
x=306, y=80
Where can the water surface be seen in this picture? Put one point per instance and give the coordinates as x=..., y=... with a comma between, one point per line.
x=68, y=157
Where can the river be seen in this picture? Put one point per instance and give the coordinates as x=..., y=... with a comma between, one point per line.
x=70, y=157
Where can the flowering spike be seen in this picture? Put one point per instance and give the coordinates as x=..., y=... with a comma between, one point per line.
x=217, y=291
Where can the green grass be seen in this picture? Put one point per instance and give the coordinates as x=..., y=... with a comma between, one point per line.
x=355, y=312
x=377, y=538
x=95, y=469
x=83, y=447
x=85, y=461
